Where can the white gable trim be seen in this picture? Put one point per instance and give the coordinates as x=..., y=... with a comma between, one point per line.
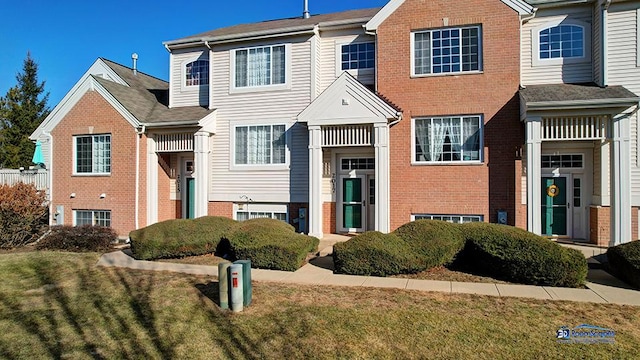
x=347, y=101
x=518, y=5
x=99, y=68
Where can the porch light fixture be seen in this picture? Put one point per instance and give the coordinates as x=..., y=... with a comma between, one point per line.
x=103, y=195
x=72, y=195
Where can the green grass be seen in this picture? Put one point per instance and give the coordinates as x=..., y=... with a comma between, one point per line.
x=59, y=305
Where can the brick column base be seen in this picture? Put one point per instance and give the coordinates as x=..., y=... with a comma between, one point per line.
x=600, y=225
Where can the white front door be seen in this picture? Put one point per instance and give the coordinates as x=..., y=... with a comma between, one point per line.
x=371, y=203
x=578, y=208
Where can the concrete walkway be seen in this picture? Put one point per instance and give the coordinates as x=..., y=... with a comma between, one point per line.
x=601, y=287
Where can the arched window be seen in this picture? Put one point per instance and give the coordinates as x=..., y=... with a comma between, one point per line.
x=197, y=73
x=562, y=41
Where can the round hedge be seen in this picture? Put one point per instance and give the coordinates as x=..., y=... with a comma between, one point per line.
x=375, y=253
x=517, y=255
x=624, y=261
x=435, y=242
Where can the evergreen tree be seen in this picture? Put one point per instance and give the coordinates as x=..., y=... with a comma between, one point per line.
x=22, y=109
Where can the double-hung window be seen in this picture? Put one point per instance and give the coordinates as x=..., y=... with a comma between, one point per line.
x=92, y=217
x=448, y=139
x=260, y=145
x=197, y=73
x=358, y=56
x=92, y=154
x=449, y=50
x=260, y=66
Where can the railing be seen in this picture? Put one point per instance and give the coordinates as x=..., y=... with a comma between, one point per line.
x=174, y=142
x=575, y=128
x=347, y=135
x=40, y=178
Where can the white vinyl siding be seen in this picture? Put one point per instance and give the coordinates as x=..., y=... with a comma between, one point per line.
x=283, y=183
x=180, y=94
x=554, y=72
x=329, y=66
x=596, y=46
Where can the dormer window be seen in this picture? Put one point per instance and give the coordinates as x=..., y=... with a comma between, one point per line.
x=562, y=41
x=197, y=73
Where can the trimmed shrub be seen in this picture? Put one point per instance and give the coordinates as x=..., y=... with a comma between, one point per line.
x=180, y=237
x=624, y=261
x=517, y=255
x=78, y=238
x=271, y=244
x=435, y=242
x=23, y=214
x=375, y=253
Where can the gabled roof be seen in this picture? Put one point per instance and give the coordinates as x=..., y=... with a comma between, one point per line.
x=140, y=98
x=519, y=6
x=278, y=27
x=564, y=96
x=348, y=101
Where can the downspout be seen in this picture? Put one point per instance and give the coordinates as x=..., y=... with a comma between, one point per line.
x=603, y=40
x=137, y=209
x=50, y=180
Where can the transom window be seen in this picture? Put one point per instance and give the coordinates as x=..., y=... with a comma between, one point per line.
x=562, y=41
x=197, y=73
x=92, y=217
x=458, y=219
x=260, y=145
x=358, y=164
x=448, y=139
x=358, y=56
x=451, y=50
x=260, y=66
x=93, y=154
x=562, y=161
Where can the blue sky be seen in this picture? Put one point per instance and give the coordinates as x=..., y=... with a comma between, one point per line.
x=66, y=36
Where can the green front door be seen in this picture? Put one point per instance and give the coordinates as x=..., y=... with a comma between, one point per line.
x=554, y=206
x=191, y=203
x=352, y=203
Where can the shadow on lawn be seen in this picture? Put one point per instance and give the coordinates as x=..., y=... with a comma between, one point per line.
x=111, y=313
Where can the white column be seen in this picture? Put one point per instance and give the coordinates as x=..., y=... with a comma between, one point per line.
x=201, y=164
x=152, y=181
x=534, y=174
x=381, y=144
x=315, y=182
x=620, y=182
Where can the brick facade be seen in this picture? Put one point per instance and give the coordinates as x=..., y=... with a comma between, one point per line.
x=92, y=114
x=329, y=217
x=478, y=189
x=600, y=225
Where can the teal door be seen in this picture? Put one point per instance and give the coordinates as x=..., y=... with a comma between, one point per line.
x=554, y=206
x=190, y=198
x=352, y=204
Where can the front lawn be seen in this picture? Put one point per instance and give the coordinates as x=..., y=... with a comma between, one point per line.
x=60, y=305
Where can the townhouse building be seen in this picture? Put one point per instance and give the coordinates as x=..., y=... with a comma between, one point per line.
x=507, y=111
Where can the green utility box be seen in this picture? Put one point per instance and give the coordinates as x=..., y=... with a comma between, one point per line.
x=246, y=281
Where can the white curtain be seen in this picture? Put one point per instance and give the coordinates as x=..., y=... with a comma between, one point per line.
x=241, y=145
x=101, y=154
x=439, y=131
x=241, y=68
x=453, y=127
x=278, y=65
x=471, y=131
x=279, y=144
x=422, y=139
x=259, y=145
x=259, y=72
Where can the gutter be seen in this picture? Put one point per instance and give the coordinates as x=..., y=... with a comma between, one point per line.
x=580, y=104
x=137, y=192
x=605, y=46
x=171, y=124
x=50, y=180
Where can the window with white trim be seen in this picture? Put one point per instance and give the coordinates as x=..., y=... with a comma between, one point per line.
x=260, y=66
x=458, y=219
x=561, y=41
x=562, y=161
x=260, y=145
x=447, y=139
x=92, y=154
x=449, y=50
x=358, y=56
x=197, y=73
x=92, y=217
x=242, y=215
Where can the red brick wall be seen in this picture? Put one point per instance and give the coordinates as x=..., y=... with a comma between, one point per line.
x=93, y=115
x=329, y=217
x=600, y=225
x=479, y=189
x=217, y=208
